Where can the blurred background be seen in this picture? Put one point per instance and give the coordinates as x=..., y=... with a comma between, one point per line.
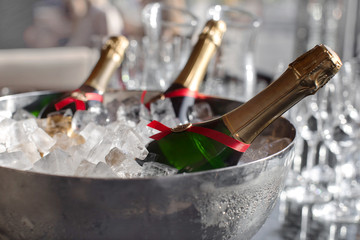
x=35, y=29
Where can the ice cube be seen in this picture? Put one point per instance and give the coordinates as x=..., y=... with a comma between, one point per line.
x=200, y=111
x=42, y=140
x=81, y=119
x=144, y=132
x=22, y=114
x=85, y=168
x=16, y=160
x=144, y=113
x=2, y=118
x=100, y=170
x=65, y=142
x=56, y=162
x=115, y=157
x=101, y=113
x=277, y=145
x=95, y=114
x=5, y=113
x=2, y=147
x=128, y=141
x=93, y=132
x=129, y=109
x=16, y=136
x=5, y=125
x=123, y=166
x=59, y=122
x=112, y=108
x=30, y=125
x=42, y=123
x=262, y=147
x=155, y=169
x=99, y=151
x=29, y=149
x=163, y=111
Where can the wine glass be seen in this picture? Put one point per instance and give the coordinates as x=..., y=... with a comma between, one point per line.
x=231, y=72
x=340, y=131
x=309, y=187
x=168, y=42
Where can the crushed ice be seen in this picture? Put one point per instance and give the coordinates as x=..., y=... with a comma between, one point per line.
x=104, y=142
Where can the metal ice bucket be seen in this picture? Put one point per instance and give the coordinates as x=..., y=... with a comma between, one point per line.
x=228, y=203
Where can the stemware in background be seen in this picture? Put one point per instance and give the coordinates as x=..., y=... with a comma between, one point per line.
x=133, y=65
x=315, y=175
x=232, y=73
x=167, y=43
x=306, y=186
x=340, y=131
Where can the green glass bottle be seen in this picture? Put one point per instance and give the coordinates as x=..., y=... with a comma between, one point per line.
x=193, y=73
x=189, y=151
x=91, y=91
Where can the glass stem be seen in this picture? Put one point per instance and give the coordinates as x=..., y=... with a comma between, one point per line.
x=311, y=154
x=338, y=177
x=305, y=211
x=333, y=232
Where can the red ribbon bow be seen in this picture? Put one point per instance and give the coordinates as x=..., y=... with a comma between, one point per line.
x=210, y=133
x=79, y=104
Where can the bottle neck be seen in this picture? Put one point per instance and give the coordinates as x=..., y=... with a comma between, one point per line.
x=195, y=69
x=250, y=119
x=103, y=71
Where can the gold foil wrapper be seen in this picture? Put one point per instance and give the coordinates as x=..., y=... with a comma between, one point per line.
x=118, y=44
x=209, y=40
x=112, y=55
x=214, y=30
x=316, y=67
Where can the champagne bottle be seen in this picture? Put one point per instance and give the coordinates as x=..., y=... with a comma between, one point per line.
x=184, y=89
x=189, y=151
x=91, y=91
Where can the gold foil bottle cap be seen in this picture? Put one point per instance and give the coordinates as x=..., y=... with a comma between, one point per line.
x=112, y=55
x=316, y=67
x=214, y=30
x=117, y=44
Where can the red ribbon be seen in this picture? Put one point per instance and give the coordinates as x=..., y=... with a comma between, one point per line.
x=213, y=134
x=79, y=104
x=182, y=92
x=185, y=92
x=143, y=96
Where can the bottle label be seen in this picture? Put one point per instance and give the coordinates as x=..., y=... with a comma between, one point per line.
x=79, y=99
x=210, y=133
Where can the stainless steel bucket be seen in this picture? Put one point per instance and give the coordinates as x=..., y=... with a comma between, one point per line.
x=228, y=203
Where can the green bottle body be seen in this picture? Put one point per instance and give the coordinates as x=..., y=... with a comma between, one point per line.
x=191, y=152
